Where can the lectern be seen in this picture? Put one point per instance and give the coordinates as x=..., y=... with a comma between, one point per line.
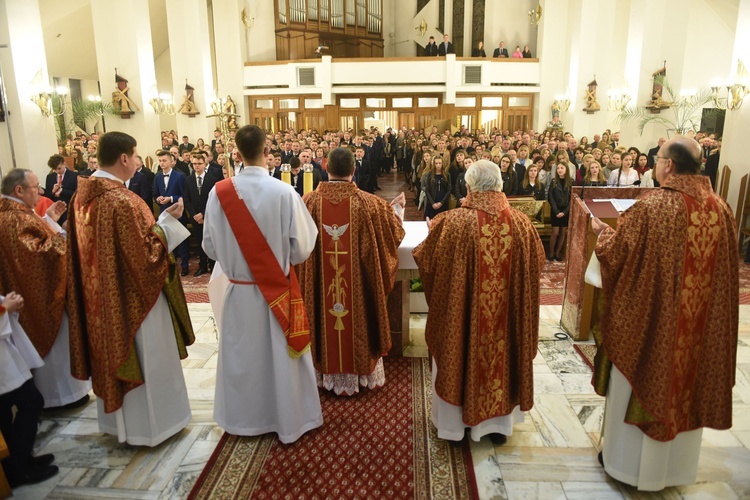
x=579, y=297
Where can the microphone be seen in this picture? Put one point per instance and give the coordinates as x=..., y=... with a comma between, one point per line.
x=637, y=183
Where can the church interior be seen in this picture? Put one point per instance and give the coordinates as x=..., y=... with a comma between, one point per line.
x=351, y=65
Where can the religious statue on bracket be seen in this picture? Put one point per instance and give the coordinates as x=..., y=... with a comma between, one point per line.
x=188, y=102
x=657, y=102
x=231, y=110
x=591, y=105
x=555, y=123
x=123, y=105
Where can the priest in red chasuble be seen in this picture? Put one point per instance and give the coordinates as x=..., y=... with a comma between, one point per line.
x=480, y=266
x=346, y=280
x=33, y=255
x=129, y=323
x=668, y=370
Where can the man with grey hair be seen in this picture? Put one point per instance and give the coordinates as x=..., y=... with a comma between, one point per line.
x=33, y=253
x=484, y=260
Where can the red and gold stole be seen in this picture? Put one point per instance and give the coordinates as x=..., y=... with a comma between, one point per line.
x=703, y=236
x=494, y=266
x=282, y=293
x=336, y=261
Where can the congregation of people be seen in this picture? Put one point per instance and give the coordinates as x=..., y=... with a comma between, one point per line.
x=306, y=275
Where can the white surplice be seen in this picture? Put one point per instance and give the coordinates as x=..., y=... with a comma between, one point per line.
x=259, y=387
x=449, y=419
x=159, y=408
x=54, y=381
x=634, y=458
x=17, y=354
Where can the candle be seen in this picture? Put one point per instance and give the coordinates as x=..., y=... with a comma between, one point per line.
x=307, y=184
x=286, y=173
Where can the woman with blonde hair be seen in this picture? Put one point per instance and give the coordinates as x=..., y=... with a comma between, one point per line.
x=594, y=175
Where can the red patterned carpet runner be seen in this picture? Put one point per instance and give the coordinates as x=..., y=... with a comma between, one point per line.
x=376, y=445
x=587, y=352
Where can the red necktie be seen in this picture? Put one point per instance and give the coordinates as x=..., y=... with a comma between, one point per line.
x=59, y=178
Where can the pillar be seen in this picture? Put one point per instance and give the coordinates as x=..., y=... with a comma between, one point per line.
x=737, y=122
x=190, y=58
x=230, y=37
x=27, y=138
x=124, y=42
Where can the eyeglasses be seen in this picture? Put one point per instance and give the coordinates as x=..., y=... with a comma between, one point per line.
x=661, y=157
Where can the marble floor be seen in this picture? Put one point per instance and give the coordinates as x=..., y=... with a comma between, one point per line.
x=551, y=455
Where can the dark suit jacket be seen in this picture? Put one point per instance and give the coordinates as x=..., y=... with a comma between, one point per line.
x=182, y=167
x=149, y=183
x=478, y=53
x=175, y=188
x=139, y=185
x=363, y=175
x=186, y=147
x=196, y=203
x=286, y=156
x=651, y=153
x=69, y=186
x=300, y=188
x=442, y=50
x=431, y=49
x=214, y=170
x=498, y=52
x=712, y=168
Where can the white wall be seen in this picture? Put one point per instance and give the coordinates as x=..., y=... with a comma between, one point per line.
x=509, y=22
x=261, y=38
x=163, y=69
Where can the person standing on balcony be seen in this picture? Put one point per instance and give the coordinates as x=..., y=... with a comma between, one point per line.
x=446, y=47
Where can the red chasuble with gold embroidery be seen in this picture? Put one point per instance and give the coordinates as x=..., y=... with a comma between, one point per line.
x=347, y=279
x=480, y=267
x=33, y=263
x=119, y=265
x=671, y=293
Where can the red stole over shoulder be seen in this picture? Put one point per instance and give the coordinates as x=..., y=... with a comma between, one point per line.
x=336, y=246
x=282, y=293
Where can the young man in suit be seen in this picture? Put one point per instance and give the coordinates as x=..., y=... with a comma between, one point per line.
x=446, y=47
x=197, y=187
x=61, y=183
x=179, y=164
x=431, y=49
x=501, y=51
x=169, y=187
x=362, y=171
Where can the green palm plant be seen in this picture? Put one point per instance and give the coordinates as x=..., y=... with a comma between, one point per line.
x=684, y=112
x=82, y=110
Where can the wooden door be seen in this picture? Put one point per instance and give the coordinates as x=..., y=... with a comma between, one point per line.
x=266, y=121
x=351, y=120
x=406, y=119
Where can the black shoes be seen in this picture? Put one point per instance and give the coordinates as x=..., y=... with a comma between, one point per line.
x=600, y=456
x=71, y=406
x=498, y=439
x=184, y=272
x=35, y=474
x=41, y=460
x=200, y=272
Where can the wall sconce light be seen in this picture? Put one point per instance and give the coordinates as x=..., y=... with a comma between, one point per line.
x=737, y=90
x=44, y=99
x=617, y=100
x=535, y=15
x=736, y=93
x=162, y=104
x=562, y=102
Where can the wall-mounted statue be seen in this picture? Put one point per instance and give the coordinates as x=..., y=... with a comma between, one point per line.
x=657, y=102
x=231, y=110
x=188, y=102
x=124, y=106
x=591, y=105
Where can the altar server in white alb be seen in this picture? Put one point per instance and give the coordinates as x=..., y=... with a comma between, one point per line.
x=33, y=255
x=256, y=228
x=17, y=390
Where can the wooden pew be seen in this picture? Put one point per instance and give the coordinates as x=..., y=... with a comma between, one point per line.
x=722, y=181
x=743, y=210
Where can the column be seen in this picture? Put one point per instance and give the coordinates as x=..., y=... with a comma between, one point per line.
x=230, y=39
x=124, y=42
x=737, y=122
x=27, y=138
x=552, y=50
x=190, y=51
